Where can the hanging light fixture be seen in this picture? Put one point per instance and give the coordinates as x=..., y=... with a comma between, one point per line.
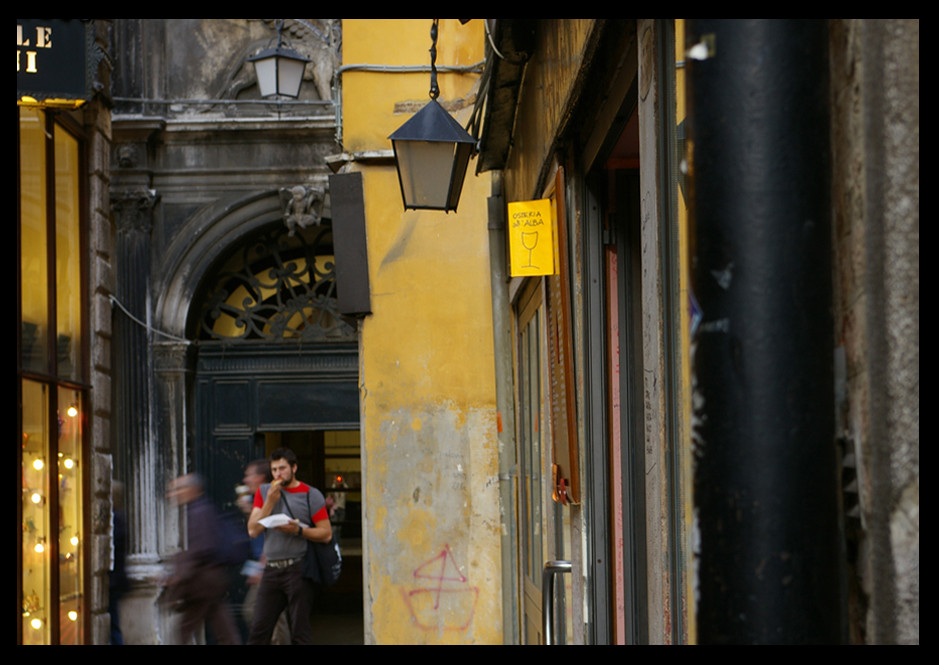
x=279, y=69
x=432, y=151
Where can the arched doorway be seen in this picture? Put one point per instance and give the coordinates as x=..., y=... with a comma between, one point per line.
x=276, y=364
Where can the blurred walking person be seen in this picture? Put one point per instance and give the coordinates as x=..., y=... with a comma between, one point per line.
x=199, y=582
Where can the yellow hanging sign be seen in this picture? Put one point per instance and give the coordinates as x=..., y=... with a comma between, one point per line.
x=531, y=238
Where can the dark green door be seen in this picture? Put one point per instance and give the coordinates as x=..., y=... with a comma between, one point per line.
x=248, y=388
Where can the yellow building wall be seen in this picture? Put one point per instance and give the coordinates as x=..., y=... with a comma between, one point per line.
x=429, y=426
x=550, y=88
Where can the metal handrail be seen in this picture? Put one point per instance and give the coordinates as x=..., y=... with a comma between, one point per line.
x=551, y=569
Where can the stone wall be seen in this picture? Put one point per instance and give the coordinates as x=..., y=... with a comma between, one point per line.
x=97, y=122
x=875, y=88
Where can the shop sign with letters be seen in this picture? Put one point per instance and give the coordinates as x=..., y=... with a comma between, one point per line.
x=54, y=59
x=531, y=237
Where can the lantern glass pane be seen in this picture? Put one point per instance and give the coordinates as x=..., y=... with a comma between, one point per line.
x=266, y=71
x=425, y=169
x=464, y=151
x=289, y=76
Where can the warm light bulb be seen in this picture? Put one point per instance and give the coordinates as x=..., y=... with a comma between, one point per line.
x=74, y=540
x=38, y=464
x=69, y=463
x=73, y=615
x=72, y=411
x=36, y=624
x=39, y=548
x=36, y=497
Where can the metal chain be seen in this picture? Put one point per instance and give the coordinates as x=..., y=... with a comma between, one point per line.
x=434, y=90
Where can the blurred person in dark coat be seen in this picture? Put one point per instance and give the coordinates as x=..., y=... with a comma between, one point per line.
x=117, y=577
x=199, y=582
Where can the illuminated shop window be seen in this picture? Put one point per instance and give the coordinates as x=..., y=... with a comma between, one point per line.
x=35, y=508
x=52, y=419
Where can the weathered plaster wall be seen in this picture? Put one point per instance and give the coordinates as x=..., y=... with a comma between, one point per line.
x=429, y=428
x=875, y=129
x=552, y=83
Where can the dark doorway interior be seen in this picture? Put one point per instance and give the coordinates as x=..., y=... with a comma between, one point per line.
x=252, y=399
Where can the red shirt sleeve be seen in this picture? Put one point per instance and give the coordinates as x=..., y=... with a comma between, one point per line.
x=322, y=513
x=258, y=501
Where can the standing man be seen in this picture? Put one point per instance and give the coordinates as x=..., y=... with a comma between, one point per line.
x=282, y=584
x=199, y=578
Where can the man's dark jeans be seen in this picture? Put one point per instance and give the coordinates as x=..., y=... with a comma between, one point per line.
x=280, y=588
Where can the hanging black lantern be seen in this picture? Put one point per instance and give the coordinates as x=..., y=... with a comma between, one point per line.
x=432, y=152
x=279, y=69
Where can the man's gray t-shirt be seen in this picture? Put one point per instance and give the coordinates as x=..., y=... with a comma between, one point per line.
x=306, y=504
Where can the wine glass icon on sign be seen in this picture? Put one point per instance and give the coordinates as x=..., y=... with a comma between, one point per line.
x=529, y=242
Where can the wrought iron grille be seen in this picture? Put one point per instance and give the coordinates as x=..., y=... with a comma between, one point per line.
x=279, y=288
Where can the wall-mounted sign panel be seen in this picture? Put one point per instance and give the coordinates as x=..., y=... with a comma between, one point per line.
x=53, y=59
x=349, y=243
x=531, y=238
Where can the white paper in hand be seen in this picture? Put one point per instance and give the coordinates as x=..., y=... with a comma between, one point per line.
x=280, y=519
x=271, y=521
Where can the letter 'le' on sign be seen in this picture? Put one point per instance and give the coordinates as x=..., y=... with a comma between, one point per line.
x=531, y=238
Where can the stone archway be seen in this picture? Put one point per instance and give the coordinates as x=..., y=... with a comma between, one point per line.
x=273, y=352
x=213, y=392
x=323, y=347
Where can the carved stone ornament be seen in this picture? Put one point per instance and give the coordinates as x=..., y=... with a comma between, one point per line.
x=133, y=209
x=302, y=205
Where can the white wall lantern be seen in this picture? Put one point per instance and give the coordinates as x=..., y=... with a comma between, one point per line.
x=279, y=69
x=432, y=152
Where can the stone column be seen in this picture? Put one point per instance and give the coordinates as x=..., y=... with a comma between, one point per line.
x=133, y=446
x=132, y=214
x=170, y=425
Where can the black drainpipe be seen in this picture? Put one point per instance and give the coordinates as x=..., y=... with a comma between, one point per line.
x=766, y=472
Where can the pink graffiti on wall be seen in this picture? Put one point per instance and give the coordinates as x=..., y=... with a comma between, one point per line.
x=441, y=579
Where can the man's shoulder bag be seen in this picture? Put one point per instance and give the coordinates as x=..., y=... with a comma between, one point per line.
x=323, y=561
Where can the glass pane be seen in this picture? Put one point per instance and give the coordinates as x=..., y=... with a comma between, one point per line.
x=35, y=509
x=530, y=390
x=33, y=261
x=70, y=515
x=425, y=168
x=534, y=387
x=67, y=256
x=524, y=436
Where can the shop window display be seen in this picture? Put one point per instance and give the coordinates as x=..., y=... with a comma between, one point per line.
x=52, y=389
